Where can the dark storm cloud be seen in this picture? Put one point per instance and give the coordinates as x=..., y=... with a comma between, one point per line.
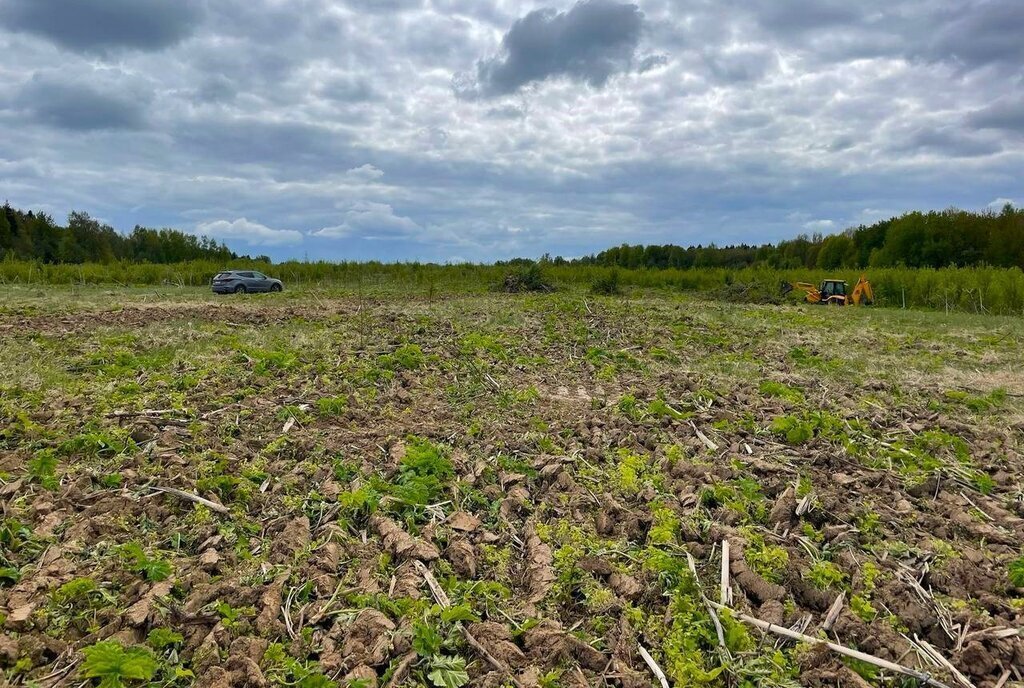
x=78, y=105
x=100, y=25
x=589, y=43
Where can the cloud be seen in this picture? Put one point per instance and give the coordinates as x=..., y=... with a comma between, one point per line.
x=369, y=220
x=1001, y=203
x=946, y=141
x=365, y=173
x=251, y=233
x=88, y=102
x=1007, y=114
x=752, y=118
x=976, y=33
x=820, y=225
x=589, y=43
x=101, y=25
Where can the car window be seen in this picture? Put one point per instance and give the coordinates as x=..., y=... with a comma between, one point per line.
x=259, y=275
x=245, y=274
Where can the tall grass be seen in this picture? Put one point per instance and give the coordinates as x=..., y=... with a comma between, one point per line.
x=976, y=290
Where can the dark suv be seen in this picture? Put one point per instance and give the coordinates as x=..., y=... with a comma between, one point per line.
x=242, y=281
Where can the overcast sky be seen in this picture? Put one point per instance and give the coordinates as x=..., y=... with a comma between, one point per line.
x=485, y=129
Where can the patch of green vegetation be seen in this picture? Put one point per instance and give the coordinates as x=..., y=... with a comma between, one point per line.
x=607, y=285
x=769, y=561
x=862, y=607
x=405, y=357
x=803, y=427
x=665, y=525
x=163, y=638
x=742, y=495
x=98, y=442
x=478, y=343
x=1015, y=572
x=633, y=471
x=42, y=469
x=284, y=670
x=424, y=474
x=114, y=665
x=770, y=388
x=979, y=404
x=331, y=406
x=151, y=568
x=825, y=575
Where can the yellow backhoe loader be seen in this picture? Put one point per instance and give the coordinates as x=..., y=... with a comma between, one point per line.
x=834, y=292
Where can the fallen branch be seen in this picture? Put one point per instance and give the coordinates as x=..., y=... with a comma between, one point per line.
x=188, y=496
x=653, y=666
x=856, y=654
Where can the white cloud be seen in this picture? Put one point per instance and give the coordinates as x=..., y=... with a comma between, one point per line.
x=820, y=225
x=1000, y=202
x=369, y=220
x=251, y=233
x=365, y=173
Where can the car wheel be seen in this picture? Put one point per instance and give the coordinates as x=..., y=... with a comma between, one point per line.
x=275, y=287
x=240, y=289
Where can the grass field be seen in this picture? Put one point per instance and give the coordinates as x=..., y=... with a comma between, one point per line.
x=550, y=461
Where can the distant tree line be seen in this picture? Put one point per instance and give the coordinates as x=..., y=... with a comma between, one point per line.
x=916, y=240
x=36, y=237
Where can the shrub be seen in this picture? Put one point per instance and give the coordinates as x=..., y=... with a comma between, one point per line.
x=530, y=278
x=607, y=285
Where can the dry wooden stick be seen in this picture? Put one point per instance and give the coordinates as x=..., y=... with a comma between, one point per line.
x=833, y=612
x=704, y=438
x=856, y=654
x=188, y=496
x=435, y=588
x=937, y=656
x=725, y=592
x=653, y=666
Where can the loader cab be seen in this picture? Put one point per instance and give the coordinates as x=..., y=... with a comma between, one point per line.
x=833, y=292
x=833, y=288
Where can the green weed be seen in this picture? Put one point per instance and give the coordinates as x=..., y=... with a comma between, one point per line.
x=1015, y=572
x=151, y=568
x=113, y=664
x=769, y=561
x=770, y=388
x=825, y=575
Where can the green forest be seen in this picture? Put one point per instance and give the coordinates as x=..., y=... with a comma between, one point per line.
x=937, y=239
x=36, y=237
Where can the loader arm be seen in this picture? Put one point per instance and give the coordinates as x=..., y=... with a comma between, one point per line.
x=863, y=294
x=813, y=295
